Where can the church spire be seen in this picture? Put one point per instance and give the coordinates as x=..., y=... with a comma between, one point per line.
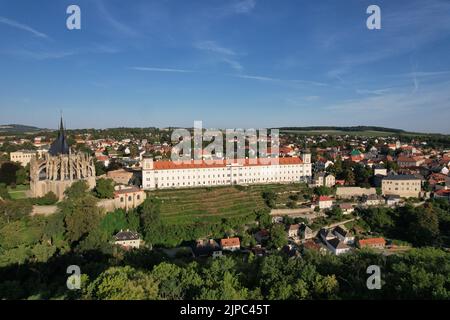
x=59, y=146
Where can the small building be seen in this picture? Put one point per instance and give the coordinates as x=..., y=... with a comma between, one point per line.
x=206, y=247
x=230, y=244
x=408, y=162
x=293, y=230
x=344, y=235
x=337, y=246
x=322, y=179
x=378, y=243
x=127, y=239
x=120, y=176
x=326, y=234
x=442, y=194
x=22, y=156
x=347, y=208
x=325, y=202
x=306, y=232
x=128, y=197
x=379, y=171
x=373, y=200
x=393, y=200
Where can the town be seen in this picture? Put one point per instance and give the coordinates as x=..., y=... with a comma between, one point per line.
x=332, y=194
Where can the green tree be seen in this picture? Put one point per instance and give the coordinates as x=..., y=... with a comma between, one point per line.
x=123, y=283
x=104, y=189
x=278, y=236
x=77, y=190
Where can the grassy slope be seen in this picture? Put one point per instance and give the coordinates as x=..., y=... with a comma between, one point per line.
x=209, y=204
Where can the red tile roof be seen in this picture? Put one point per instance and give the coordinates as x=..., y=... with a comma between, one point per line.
x=167, y=165
x=230, y=242
x=325, y=198
x=372, y=242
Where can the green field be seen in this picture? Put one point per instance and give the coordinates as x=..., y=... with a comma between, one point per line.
x=185, y=206
x=19, y=192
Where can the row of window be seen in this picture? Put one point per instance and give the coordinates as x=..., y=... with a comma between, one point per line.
x=219, y=182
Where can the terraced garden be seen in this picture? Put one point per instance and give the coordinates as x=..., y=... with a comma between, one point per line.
x=185, y=206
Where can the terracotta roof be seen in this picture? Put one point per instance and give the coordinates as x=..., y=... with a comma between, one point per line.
x=371, y=242
x=167, y=165
x=443, y=192
x=230, y=242
x=325, y=198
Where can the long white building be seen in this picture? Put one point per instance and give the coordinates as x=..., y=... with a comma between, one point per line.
x=167, y=174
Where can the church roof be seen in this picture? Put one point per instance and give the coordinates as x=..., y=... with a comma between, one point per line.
x=59, y=146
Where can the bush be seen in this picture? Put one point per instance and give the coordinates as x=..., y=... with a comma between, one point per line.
x=48, y=199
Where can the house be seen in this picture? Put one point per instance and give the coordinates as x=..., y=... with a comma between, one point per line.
x=402, y=185
x=306, y=232
x=127, y=239
x=262, y=235
x=392, y=200
x=442, y=194
x=322, y=179
x=128, y=197
x=325, y=202
x=407, y=162
x=347, y=208
x=293, y=230
x=344, y=235
x=259, y=251
x=326, y=234
x=379, y=170
x=377, y=243
x=230, y=244
x=373, y=200
x=337, y=246
x=206, y=247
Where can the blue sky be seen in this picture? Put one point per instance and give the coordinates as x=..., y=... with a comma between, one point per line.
x=230, y=63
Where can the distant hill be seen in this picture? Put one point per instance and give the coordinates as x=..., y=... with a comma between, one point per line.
x=18, y=128
x=332, y=128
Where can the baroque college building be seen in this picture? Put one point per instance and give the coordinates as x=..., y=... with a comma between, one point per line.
x=59, y=168
x=167, y=174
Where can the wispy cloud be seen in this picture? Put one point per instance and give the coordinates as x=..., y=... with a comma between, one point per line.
x=260, y=78
x=119, y=26
x=156, y=69
x=212, y=46
x=38, y=54
x=244, y=6
x=23, y=27
x=285, y=81
x=220, y=53
x=373, y=92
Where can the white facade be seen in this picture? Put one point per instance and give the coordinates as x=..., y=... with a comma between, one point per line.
x=166, y=174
